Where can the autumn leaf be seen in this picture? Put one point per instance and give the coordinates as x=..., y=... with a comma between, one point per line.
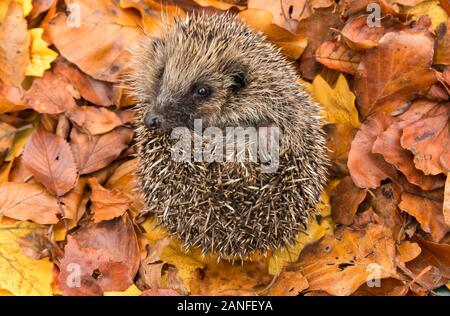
x=408, y=251
x=131, y=291
x=49, y=158
x=43, y=98
x=40, y=55
x=443, y=44
x=28, y=201
x=397, y=68
x=446, y=206
x=11, y=99
x=359, y=35
x=103, y=24
x=286, y=14
x=428, y=212
x=289, y=283
x=108, y=256
x=340, y=265
x=14, y=43
x=98, y=92
x=432, y=9
x=20, y=275
x=345, y=200
x=291, y=45
x=429, y=140
x=366, y=168
x=336, y=55
x=92, y=153
x=106, y=204
x=94, y=120
x=338, y=102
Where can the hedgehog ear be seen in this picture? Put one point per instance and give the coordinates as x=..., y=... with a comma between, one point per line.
x=238, y=74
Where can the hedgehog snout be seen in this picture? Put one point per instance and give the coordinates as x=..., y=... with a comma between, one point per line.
x=153, y=120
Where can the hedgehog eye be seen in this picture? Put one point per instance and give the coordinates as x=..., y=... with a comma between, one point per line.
x=202, y=91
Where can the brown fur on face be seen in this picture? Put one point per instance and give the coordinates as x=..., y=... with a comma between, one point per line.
x=229, y=208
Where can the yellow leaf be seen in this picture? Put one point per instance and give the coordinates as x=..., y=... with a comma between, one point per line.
x=185, y=262
x=20, y=275
x=448, y=285
x=20, y=140
x=4, y=4
x=5, y=293
x=430, y=8
x=285, y=255
x=40, y=55
x=131, y=291
x=338, y=103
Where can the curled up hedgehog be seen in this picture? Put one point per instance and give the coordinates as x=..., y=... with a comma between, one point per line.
x=216, y=70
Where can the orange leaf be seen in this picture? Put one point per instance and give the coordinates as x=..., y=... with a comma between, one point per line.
x=98, y=45
x=107, y=204
x=289, y=283
x=28, y=201
x=428, y=212
x=336, y=55
x=366, y=168
x=93, y=153
x=345, y=199
x=49, y=158
x=340, y=264
x=14, y=43
x=93, y=119
x=51, y=94
x=398, y=68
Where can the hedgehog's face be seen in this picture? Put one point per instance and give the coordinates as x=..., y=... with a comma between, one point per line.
x=211, y=68
x=184, y=83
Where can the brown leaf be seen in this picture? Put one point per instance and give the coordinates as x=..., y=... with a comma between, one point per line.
x=286, y=14
x=408, y=251
x=14, y=43
x=336, y=55
x=107, y=255
x=446, y=206
x=345, y=199
x=292, y=45
x=107, y=204
x=224, y=278
x=124, y=180
x=366, y=168
x=339, y=140
x=360, y=36
x=435, y=256
x=289, y=283
x=92, y=90
x=428, y=212
x=72, y=201
x=93, y=119
x=104, y=23
x=28, y=201
x=388, y=145
x=7, y=133
x=93, y=153
x=398, y=68
x=11, y=99
x=37, y=245
x=317, y=28
x=49, y=158
x=40, y=6
x=51, y=94
x=388, y=287
x=429, y=140
x=442, y=55
x=340, y=265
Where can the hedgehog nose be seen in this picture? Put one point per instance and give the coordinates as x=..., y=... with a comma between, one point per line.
x=152, y=121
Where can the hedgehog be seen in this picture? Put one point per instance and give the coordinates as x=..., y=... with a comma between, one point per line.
x=216, y=69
